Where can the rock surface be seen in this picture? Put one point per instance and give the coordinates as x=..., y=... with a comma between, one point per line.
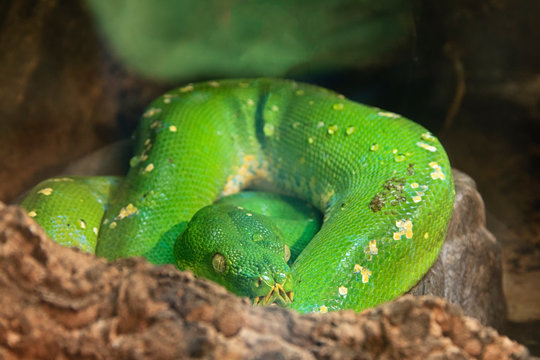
x=62, y=303
x=468, y=271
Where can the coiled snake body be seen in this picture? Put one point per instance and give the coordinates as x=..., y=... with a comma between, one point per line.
x=382, y=182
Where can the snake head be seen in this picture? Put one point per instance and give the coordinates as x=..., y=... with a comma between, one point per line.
x=240, y=250
x=268, y=291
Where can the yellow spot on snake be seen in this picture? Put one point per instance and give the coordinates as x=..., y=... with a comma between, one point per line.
x=388, y=114
x=399, y=158
x=374, y=147
x=437, y=174
x=311, y=102
x=418, y=197
x=299, y=92
x=310, y=140
x=127, y=211
x=249, y=170
x=46, y=191
x=275, y=108
x=342, y=290
x=366, y=273
x=323, y=309
x=83, y=224
x=187, y=88
x=426, y=235
x=154, y=124
x=113, y=225
x=338, y=106
x=369, y=250
x=373, y=247
x=250, y=102
x=95, y=230
x=151, y=112
x=167, y=98
x=213, y=84
x=332, y=129
x=62, y=179
x=427, y=137
x=172, y=128
x=149, y=167
x=426, y=146
x=404, y=228
x=32, y=213
x=350, y=130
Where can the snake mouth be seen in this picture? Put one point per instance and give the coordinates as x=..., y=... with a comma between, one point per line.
x=277, y=294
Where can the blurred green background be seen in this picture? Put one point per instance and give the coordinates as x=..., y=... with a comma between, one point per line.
x=171, y=39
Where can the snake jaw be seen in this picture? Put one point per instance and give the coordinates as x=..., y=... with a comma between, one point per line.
x=277, y=294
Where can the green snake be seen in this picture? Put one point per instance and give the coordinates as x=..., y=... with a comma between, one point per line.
x=382, y=182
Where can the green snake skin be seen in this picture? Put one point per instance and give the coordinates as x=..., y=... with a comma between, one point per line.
x=382, y=182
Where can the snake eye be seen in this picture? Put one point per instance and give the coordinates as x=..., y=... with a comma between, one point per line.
x=259, y=282
x=219, y=263
x=287, y=253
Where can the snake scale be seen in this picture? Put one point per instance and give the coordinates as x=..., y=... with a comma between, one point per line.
x=382, y=182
